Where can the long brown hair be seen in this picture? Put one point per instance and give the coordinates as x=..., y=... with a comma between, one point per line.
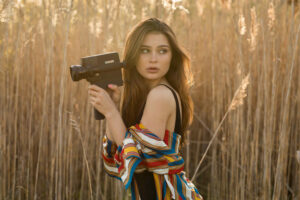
x=179, y=75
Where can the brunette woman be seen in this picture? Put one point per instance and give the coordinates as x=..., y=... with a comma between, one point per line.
x=143, y=141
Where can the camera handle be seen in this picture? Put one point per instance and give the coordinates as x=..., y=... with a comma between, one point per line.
x=98, y=115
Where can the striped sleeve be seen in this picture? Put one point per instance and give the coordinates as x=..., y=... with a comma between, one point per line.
x=109, y=152
x=121, y=161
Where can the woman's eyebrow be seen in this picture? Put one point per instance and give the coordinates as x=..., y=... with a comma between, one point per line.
x=163, y=45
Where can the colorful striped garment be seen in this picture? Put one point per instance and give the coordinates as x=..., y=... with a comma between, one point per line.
x=143, y=150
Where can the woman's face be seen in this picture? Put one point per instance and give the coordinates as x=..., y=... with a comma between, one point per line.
x=154, y=58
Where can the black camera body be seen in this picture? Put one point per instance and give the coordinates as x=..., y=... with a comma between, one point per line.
x=100, y=70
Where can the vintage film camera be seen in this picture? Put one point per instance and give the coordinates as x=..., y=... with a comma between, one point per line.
x=99, y=70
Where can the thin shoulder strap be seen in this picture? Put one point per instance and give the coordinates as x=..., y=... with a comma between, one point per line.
x=178, y=117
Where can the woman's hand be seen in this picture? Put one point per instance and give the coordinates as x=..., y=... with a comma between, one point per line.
x=115, y=93
x=101, y=100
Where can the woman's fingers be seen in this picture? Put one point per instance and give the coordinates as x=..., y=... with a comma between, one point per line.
x=93, y=93
x=92, y=101
x=95, y=88
x=113, y=87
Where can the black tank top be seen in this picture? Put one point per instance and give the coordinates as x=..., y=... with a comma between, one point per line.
x=145, y=180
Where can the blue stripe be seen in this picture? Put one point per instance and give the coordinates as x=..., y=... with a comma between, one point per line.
x=174, y=138
x=132, y=189
x=167, y=152
x=179, y=187
x=131, y=172
x=184, y=180
x=173, y=145
x=153, y=135
x=164, y=189
x=119, y=149
x=127, y=132
x=152, y=156
x=108, y=148
x=177, y=162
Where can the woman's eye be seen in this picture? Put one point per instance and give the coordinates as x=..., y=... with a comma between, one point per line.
x=144, y=50
x=162, y=51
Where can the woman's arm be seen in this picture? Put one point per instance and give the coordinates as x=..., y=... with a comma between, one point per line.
x=158, y=108
x=108, y=103
x=115, y=127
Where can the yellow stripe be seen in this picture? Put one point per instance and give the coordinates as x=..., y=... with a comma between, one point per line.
x=141, y=125
x=170, y=159
x=168, y=194
x=129, y=149
x=157, y=186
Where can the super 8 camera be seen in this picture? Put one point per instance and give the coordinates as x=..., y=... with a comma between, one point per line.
x=99, y=70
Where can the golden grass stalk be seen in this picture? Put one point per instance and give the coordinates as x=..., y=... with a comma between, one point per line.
x=237, y=101
x=242, y=24
x=200, y=8
x=280, y=174
x=75, y=125
x=271, y=16
x=253, y=30
x=227, y=4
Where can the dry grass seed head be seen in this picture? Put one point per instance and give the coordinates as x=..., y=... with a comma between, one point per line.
x=242, y=24
x=271, y=16
x=240, y=94
x=253, y=30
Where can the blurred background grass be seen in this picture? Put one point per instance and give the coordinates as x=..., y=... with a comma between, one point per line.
x=50, y=144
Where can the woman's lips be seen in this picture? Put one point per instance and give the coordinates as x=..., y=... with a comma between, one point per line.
x=152, y=69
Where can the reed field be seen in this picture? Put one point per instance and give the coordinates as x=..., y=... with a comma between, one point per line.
x=244, y=142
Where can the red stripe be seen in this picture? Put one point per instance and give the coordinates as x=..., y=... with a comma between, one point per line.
x=176, y=171
x=143, y=163
x=172, y=180
x=121, y=167
x=158, y=163
x=166, y=137
x=109, y=160
x=137, y=126
x=119, y=157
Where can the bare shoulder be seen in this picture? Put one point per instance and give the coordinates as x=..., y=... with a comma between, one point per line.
x=162, y=95
x=160, y=90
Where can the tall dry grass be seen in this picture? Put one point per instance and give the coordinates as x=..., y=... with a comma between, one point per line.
x=50, y=144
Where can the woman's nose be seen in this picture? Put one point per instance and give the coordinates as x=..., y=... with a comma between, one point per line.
x=153, y=57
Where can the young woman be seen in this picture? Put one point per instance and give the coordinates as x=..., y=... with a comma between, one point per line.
x=141, y=146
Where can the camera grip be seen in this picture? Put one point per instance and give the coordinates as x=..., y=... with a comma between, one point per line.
x=98, y=115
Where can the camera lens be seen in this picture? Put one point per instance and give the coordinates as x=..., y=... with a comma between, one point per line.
x=77, y=72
